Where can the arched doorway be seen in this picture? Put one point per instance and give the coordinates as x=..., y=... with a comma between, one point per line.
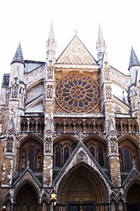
x=82, y=190
x=26, y=199
x=133, y=198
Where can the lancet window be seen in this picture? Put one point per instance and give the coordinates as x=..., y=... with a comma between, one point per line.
x=66, y=154
x=58, y=157
x=101, y=156
x=92, y=151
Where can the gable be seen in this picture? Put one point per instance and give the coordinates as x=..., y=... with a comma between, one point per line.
x=76, y=53
x=81, y=155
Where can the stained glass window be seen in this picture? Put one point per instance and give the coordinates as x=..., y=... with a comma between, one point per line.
x=66, y=154
x=58, y=157
x=31, y=158
x=77, y=93
x=126, y=157
x=92, y=151
x=101, y=156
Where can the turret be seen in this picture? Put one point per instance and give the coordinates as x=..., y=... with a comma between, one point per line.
x=100, y=45
x=134, y=67
x=17, y=66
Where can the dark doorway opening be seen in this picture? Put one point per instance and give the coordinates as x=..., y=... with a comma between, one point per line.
x=81, y=206
x=26, y=199
x=133, y=198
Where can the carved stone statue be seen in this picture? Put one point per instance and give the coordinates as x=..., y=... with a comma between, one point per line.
x=22, y=164
x=14, y=89
x=9, y=146
x=39, y=164
x=48, y=144
x=108, y=92
x=49, y=91
x=113, y=145
x=50, y=72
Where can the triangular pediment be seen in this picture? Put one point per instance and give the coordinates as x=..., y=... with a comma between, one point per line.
x=76, y=53
x=133, y=175
x=81, y=155
x=27, y=175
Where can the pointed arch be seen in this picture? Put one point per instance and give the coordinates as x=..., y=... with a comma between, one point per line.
x=29, y=182
x=70, y=137
x=129, y=138
x=84, y=178
x=31, y=136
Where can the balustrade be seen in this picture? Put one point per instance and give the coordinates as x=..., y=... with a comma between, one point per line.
x=69, y=125
x=125, y=126
x=32, y=124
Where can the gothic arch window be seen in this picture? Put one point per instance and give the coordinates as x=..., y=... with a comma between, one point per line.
x=58, y=156
x=126, y=159
x=92, y=151
x=66, y=153
x=31, y=150
x=31, y=158
x=101, y=156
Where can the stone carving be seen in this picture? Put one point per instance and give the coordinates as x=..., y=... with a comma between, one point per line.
x=81, y=156
x=35, y=75
x=9, y=144
x=108, y=92
x=119, y=78
x=49, y=91
x=48, y=127
x=22, y=163
x=76, y=53
x=113, y=145
x=14, y=88
x=50, y=70
x=48, y=142
x=39, y=164
x=107, y=73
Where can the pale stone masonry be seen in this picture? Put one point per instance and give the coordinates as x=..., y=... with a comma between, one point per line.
x=64, y=129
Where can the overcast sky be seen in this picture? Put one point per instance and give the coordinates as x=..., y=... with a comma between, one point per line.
x=29, y=22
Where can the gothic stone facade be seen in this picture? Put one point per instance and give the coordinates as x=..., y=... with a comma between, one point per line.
x=63, y=129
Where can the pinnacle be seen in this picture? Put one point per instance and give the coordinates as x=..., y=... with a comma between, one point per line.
x=100, y=35
x=51, y=34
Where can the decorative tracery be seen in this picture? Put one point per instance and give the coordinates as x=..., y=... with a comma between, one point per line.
x=77, y=93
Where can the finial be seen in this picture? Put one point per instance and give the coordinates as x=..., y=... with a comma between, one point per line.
x=28, y=164
x=75, y=31
x=51, y=33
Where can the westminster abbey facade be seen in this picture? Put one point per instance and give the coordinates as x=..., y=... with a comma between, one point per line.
x=65, y=128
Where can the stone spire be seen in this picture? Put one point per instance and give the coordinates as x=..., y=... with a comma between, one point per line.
x=100, y=45
x=51, y=45
x=100, y=35
x=51, y=34
x=134, y=61
x=18, y=55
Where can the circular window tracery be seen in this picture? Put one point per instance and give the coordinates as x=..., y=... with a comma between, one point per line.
x=77, y=93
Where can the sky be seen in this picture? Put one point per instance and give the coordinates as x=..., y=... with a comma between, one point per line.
x=28, y=22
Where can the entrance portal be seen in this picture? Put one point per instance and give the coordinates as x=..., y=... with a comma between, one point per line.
x=82, y=189
x=133, y=198
x=26, y=199
x=84, y=207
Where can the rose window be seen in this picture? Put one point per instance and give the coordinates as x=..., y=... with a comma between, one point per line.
x=77, y=93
